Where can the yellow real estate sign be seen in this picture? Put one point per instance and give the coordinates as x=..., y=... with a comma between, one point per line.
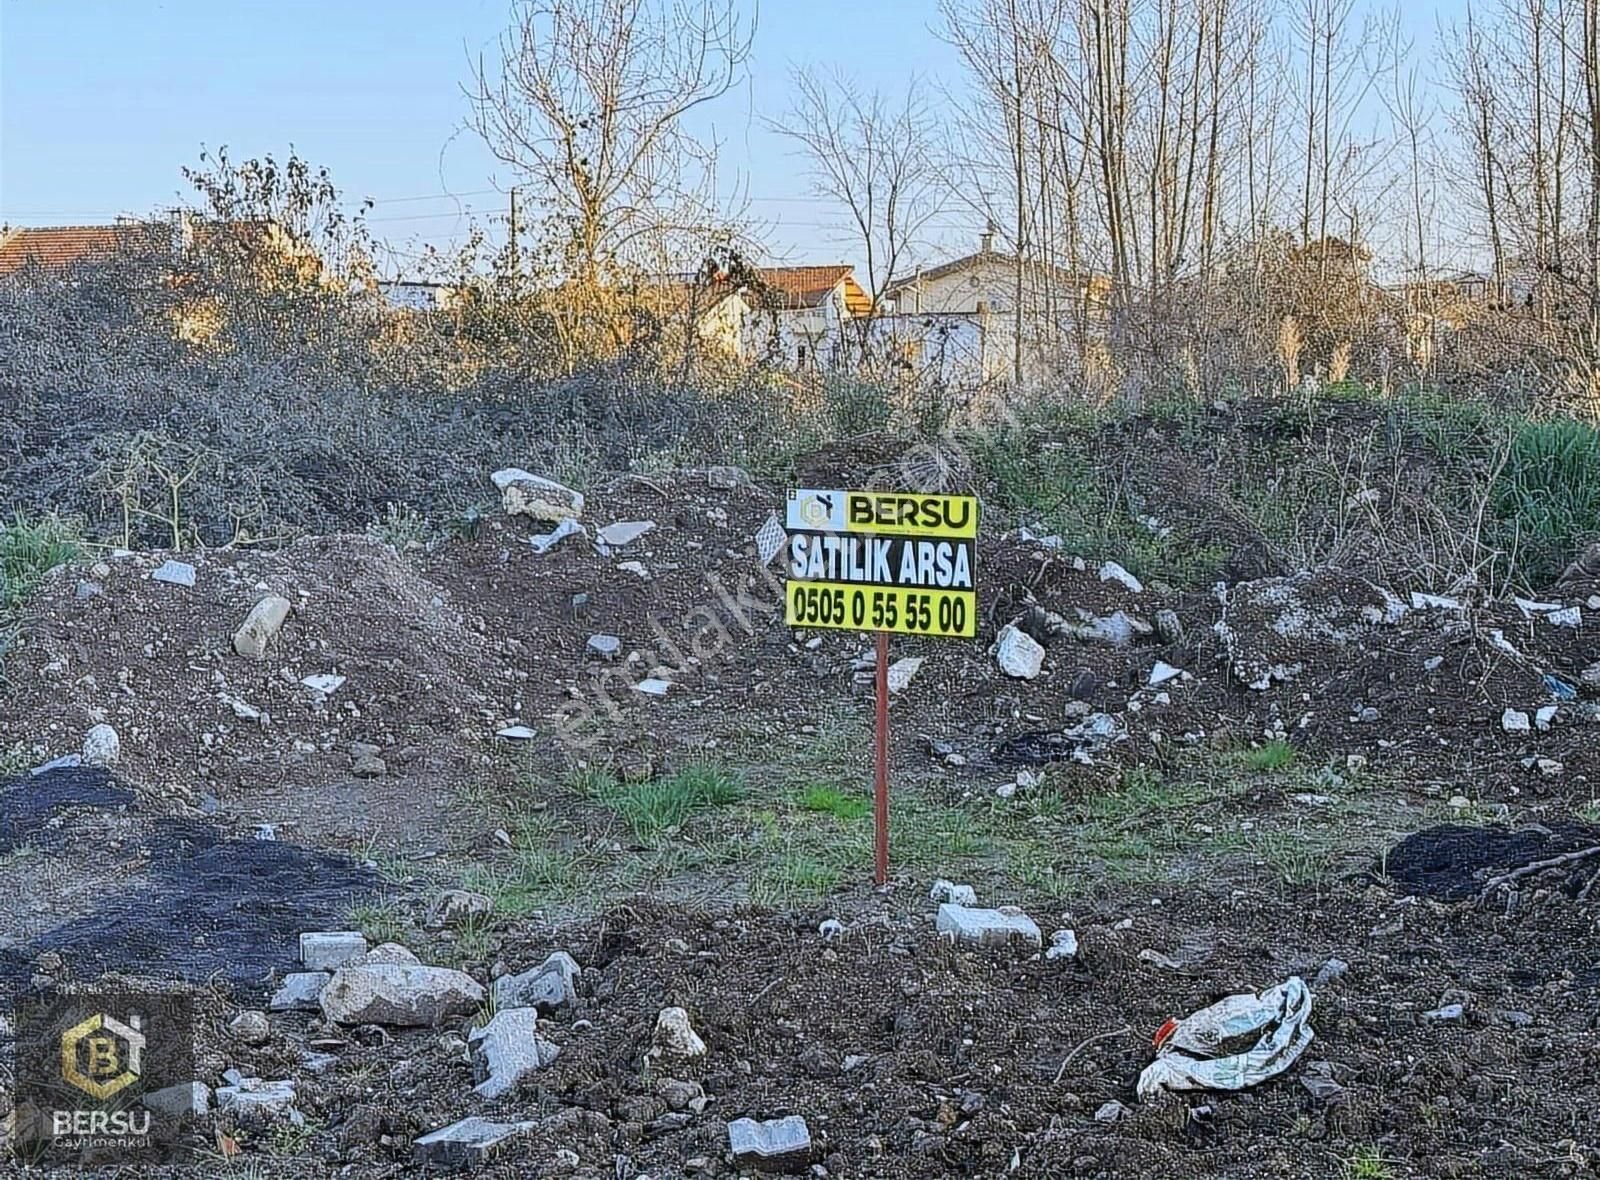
x=882, y=561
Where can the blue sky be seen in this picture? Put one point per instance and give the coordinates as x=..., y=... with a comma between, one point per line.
x=102, y=101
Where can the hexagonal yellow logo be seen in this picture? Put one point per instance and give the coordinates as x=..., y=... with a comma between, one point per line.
x=101, y=1055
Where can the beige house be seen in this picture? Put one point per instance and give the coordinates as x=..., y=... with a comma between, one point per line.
x=987, y=282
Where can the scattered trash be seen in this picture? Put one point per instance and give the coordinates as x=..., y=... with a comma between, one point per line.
x=1194, y=1053
x=776, y=1144
x=516, y=733
x=1514, y=721
x=949, y=891
x=1569, y=616
x=653, y=686
x=769, y=539
x=323, y=682
x=1559, y=688
x=1449, y=1013
x=568, y=527
x=1163, y=672
x=1544, y=717
x=624, y=532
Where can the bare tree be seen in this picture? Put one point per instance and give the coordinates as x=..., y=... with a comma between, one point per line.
x=870, y=153
x=587, y=105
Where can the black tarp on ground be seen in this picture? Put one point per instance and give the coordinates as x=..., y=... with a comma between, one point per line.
x=205, y=906
x=1455, y=861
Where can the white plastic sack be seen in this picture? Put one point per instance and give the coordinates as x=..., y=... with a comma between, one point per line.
x=1213, y=1049
x=566, y=528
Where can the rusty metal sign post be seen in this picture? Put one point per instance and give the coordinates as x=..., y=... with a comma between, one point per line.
x=889, y=563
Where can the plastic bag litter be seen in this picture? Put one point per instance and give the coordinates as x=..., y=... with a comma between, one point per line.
x=1237, y=1042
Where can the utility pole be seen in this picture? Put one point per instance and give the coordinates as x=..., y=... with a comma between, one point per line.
x=513, y=249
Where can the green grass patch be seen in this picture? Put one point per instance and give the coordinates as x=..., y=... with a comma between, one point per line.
x=1547, y=494
x=380, y=921
x=832, y=801
x=654, y=808
x=1275, y=755
x=29, y=549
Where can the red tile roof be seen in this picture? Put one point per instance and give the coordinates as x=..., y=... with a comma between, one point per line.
x=57, y=247
x=794, y=287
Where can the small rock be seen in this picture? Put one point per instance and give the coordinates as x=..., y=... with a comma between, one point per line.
x=675, y=1036
x=299, y=991
x=1543, y=718
x=175, y=573
x=550, y=985
x=653, y=686
x=605, y=646
x=250, y=1028
x=403, y=996
x=637, y=568
x=1331, y=970
x=776, y=1144
x=507, y=1050
x=949, y=891
x=260, y=626
x=1063, y=945
x=1111, y=1112
x=1447, y=1014
x=516, y=733
x=987, y=928
x=831, y=930
x=101, y=746
x=525, y=494
x=1168, y=626
x=1017, y=653
x=1515, y=721
x=678, y=1094
x=87, y=590
x=1112, y=572
x=455, y=906
x=327, y=950
x=469, y=1143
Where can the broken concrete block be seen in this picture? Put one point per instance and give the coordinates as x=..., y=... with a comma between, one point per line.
x=978, y=927
x=260, y=626
x=775, y=1144
x=605, y=646
x=1017, y=653
x=546, y=987
x=901, y=671
x=1063, y=945
x=624, y=532
x=299, y=992
x=507, y=1050
x=386, y=952
x=1514, y=721
x=184, y=1100
x=326, y=950
x=253, y=1100
x=399, y=995
x=176, y=573
x=468, y=1143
